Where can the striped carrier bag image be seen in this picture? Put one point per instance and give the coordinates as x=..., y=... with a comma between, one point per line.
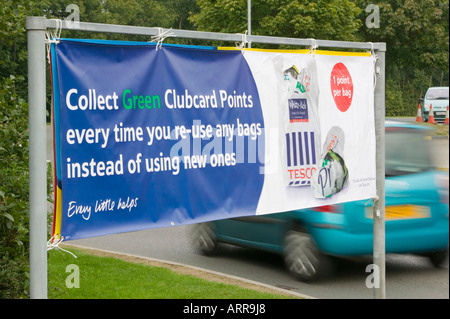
x=299, y=120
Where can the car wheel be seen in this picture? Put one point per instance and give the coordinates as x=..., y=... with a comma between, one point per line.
x=204, y=239
x=437, y=258
x=302, y=256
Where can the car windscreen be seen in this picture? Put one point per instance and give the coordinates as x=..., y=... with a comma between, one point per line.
x=407, y=152
x=437, y=94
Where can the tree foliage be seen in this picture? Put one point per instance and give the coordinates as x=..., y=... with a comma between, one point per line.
x=320, y=19
x=13, y=151
x=417, y=38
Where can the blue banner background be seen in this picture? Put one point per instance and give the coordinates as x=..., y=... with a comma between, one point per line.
x=162, y=198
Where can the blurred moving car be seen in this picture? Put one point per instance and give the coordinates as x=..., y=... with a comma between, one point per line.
x=437, y=97
x=416, y=216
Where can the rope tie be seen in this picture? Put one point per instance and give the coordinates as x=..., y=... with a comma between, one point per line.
x=54, y=243
x=161, y=36
x=241, y=45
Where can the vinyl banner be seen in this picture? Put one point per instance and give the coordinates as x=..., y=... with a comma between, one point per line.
x=151, y=137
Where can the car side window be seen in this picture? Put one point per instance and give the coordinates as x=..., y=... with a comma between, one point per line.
x=406, y=152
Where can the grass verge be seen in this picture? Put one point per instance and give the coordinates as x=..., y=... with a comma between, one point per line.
x=439, y=129
x=112, y=278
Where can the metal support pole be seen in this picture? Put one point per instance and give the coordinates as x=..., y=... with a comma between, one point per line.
x=38, y=160
x=249, y=20
x=379, y=204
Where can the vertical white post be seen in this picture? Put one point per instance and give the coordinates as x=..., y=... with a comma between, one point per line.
x=249, y=19
x=38, y=160
x=379, y=246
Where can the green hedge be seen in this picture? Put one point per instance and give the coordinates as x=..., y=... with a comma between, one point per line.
x=13, y=191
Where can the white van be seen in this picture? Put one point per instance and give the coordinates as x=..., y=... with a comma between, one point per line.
x=437, y=98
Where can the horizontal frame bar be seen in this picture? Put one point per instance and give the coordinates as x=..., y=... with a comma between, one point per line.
x=203, y=35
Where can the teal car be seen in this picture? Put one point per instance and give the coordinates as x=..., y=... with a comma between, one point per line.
x=416, y=216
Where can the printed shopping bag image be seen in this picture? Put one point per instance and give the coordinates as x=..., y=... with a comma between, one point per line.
x=331, y=175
